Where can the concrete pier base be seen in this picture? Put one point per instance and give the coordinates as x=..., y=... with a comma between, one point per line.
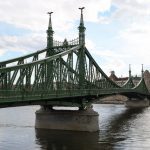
x=136, y=103
x=80, y=120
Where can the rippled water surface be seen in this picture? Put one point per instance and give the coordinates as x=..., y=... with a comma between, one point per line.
x=120, y=129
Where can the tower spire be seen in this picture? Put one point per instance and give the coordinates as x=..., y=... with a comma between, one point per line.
x=81, y=19
x=81, y=29
x=129, y=70
x=82, y=69
x=142, y=71
x=50, y=32
x=50, y=22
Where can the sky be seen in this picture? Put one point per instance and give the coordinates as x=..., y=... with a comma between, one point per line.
x=117, y=31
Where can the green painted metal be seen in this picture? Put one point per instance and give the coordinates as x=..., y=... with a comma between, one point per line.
x=81, y=53
x=129, y=83
x=67, y=75
x=50, y=33
x=81, y=29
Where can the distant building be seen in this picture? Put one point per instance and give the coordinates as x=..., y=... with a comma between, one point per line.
x=118, y=99
x=122, y=80
x=147, y=79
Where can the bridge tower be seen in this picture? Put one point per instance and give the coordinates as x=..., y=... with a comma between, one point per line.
x=142, y=72
x=50, y=51
x=129, y=70
x=81, y=29
x=143, y=100
x=50, y=33
x=82, y=51
x=82, y=119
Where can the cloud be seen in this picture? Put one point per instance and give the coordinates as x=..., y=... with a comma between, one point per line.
x=133, y=34
x=32, y=14
x=136, y=42
x=109, y=60
x=128, y=7
x=22, y=44
x=131, y=16
x=109, y=53
x=2, y=52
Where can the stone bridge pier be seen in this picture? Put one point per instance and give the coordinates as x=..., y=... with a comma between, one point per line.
x=75, y=120
x=137, y=103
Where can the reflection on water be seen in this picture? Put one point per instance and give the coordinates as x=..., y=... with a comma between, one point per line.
x=66, y=140
x=105, y=139
x=102, y=140
x=120, y=129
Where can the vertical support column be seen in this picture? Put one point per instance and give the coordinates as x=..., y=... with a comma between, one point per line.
x=20, y=81
x=4, y=79
x=43, y=76
x=81, y=68
x=81, y=29
x=50, y=52
x=28, y=78
x=87, y=120
x=70, y=74
x=142, y=72
x=9, y=77
x=81, y=51
x=90, y=71
x=129, y=70
x=59, y=73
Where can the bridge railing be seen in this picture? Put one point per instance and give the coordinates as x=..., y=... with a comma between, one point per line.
x=38, y=95
x=66, y=43
x=35, y=55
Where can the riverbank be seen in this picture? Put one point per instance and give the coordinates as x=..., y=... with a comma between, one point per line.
x=115, y=99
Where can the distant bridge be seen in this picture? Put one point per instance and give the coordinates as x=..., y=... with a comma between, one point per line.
x=66, y=76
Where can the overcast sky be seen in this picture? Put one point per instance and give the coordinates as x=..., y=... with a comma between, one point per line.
x=117, y=31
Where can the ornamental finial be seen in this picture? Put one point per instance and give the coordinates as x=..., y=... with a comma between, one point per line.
x=81, y=8
x=50, y=22
x=81, y=19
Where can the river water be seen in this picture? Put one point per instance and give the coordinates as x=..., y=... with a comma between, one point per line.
x=120, y=129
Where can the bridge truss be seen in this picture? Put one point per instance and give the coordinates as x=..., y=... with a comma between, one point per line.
x=63, y=74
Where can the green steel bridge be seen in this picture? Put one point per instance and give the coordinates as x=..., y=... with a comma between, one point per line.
x=67, y=75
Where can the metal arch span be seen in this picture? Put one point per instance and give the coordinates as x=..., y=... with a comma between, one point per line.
x=32, y=85
x=67, y=75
